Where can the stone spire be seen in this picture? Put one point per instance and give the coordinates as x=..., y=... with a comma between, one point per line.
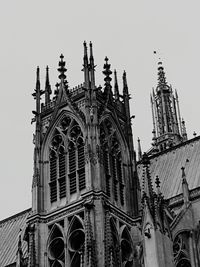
x=116, y=87
x=47, y=87
x=86, y=66
x=167, y=128
x=92, y=67
x=125, y=85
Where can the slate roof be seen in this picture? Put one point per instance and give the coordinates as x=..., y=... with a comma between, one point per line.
x=9, y=234
x=167, y=165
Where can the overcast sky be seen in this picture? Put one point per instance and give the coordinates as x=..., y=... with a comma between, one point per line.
x=36, y=32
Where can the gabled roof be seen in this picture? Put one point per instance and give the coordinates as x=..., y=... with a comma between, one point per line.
x=167, y=165
x=9, y=234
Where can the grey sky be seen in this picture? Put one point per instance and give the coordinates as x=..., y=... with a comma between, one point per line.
x=37, y=32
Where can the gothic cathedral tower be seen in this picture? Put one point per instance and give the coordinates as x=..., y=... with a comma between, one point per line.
x=85, y=188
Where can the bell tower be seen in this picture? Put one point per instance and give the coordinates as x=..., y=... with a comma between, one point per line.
x=85, y=188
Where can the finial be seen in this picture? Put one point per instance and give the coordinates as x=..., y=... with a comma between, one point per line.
x=85, y=48
x=86, y=67
x=92, y=67
x=38, y=79
x=184, y=133
x=161, y=75
x=125, y=84
x=194, y=134
x=47, y=74
x=116, y=88
x=47, y=87
x=62, y=68
x=91, y=51
x=38, y=74
x=107, y=72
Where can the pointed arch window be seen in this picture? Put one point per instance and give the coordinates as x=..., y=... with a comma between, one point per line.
x=126, y=244
x=66, y=160
x=76, y=241
x=181, y=250
x=112, y=161
x=56, y=247
x=57, y=168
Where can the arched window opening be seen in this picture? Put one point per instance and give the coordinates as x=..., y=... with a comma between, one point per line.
x=76, y=160
x=62, y=172
x=127, y=251
x=112, y=161
x=76, y=240
x=181, y=250
x=183, y=263
x=115, y=243
x=81, y=164
x=72, y=168
x=56, y=247
x=119, y=174
x=57, y=168
x=66, y=160
x=106, y=162
x=53, y=176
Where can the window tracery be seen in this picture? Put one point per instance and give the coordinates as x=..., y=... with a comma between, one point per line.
x=67, y=159
x=112, y=161
x=76, y=241
x=181, y=250
x=56, y=247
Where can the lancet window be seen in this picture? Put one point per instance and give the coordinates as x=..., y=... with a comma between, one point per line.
x=112, y=161
x=66, y=160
